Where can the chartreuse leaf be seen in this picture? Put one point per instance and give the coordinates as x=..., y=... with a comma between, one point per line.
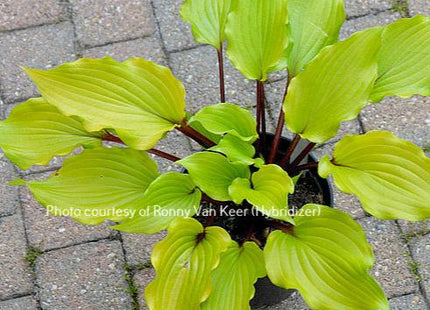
x=213, y=173
x=225, y=118
x=183, y=263
x=268, y=192
x=391, y=176
x=256, y=33
x=313, y=24
x=233, y=280
x=139, y=99
x=334, y=87
x=237, y=150
x=327, y=259
x=404, y=59
x=35, y=132
x=170, y=196
x=208, y=19
x=98, y=184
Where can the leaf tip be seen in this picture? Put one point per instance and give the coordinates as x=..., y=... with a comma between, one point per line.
x=324, y=167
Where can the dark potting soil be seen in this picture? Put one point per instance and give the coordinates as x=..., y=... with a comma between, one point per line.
x=254, y=226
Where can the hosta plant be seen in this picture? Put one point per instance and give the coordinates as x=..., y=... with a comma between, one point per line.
x=202, y=264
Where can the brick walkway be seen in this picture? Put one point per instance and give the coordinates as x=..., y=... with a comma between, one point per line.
x=70, y=266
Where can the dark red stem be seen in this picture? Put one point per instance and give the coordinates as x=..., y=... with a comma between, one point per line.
x=286, y=228
x=302, y=155
x=195, y=135
x=279, y=126
x=286, y=159
x=109, y=137
x=308, y=166
x=221, y=73
x=261, y=114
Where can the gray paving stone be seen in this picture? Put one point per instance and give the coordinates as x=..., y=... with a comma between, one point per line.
x=407, y=118
x=41, y=47
x=391, y=268
x=99, y=22
x=175, y=32
x=23, y=303
x=15, y=274
x=294, y=302
x=274, y=94
x=414, y=228
x=23, y=13
x=87, y=276
x=419, y=7
x=363, y=7
x=141, y=279
x=47, y=232
x=421, y=255
x=412, y=302
x=138, y=247
x=9, y=201
x=148, y=48
x=175, y=143
x=198, y=70
x=362, y=23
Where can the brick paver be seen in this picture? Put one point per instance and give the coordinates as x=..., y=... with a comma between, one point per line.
x=9, y=195
x=15, y=273
x=99, y=22
x=87, y=276
x=83, y=267
x=40, y=47
x=23, y=303
x=419, y=7
x=24, y=13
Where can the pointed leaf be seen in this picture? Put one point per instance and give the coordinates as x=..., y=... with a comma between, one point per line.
x=170, y=196
x=404, y=59
x=183, y=263
x=213, y=173
x=139, y=99
x=333, y=88
x=327, y=259
x=97, y=184
x=35, y=132
x=313, y=24
x=391, y=176
x=268, y=192
x=256, y=33
x=208, y=19
x=237, y=150
x=233, y=280
x=225, y=118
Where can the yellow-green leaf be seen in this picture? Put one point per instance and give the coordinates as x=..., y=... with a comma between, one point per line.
x=208, y=19
x=334, y=87
x=139, y=99
x=391, y=176
x=213, y=173
x=268, y=192
x=326, y=258
x=313, y=24
x=237, y=150
x=183, y=263
x=98, y=184
x=35, y=132
x=404, y=59
x=233, y=280
x=170, y=196
x=256, y=34
x=223, y=118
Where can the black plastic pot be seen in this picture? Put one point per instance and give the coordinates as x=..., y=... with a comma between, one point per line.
x=266, y=293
